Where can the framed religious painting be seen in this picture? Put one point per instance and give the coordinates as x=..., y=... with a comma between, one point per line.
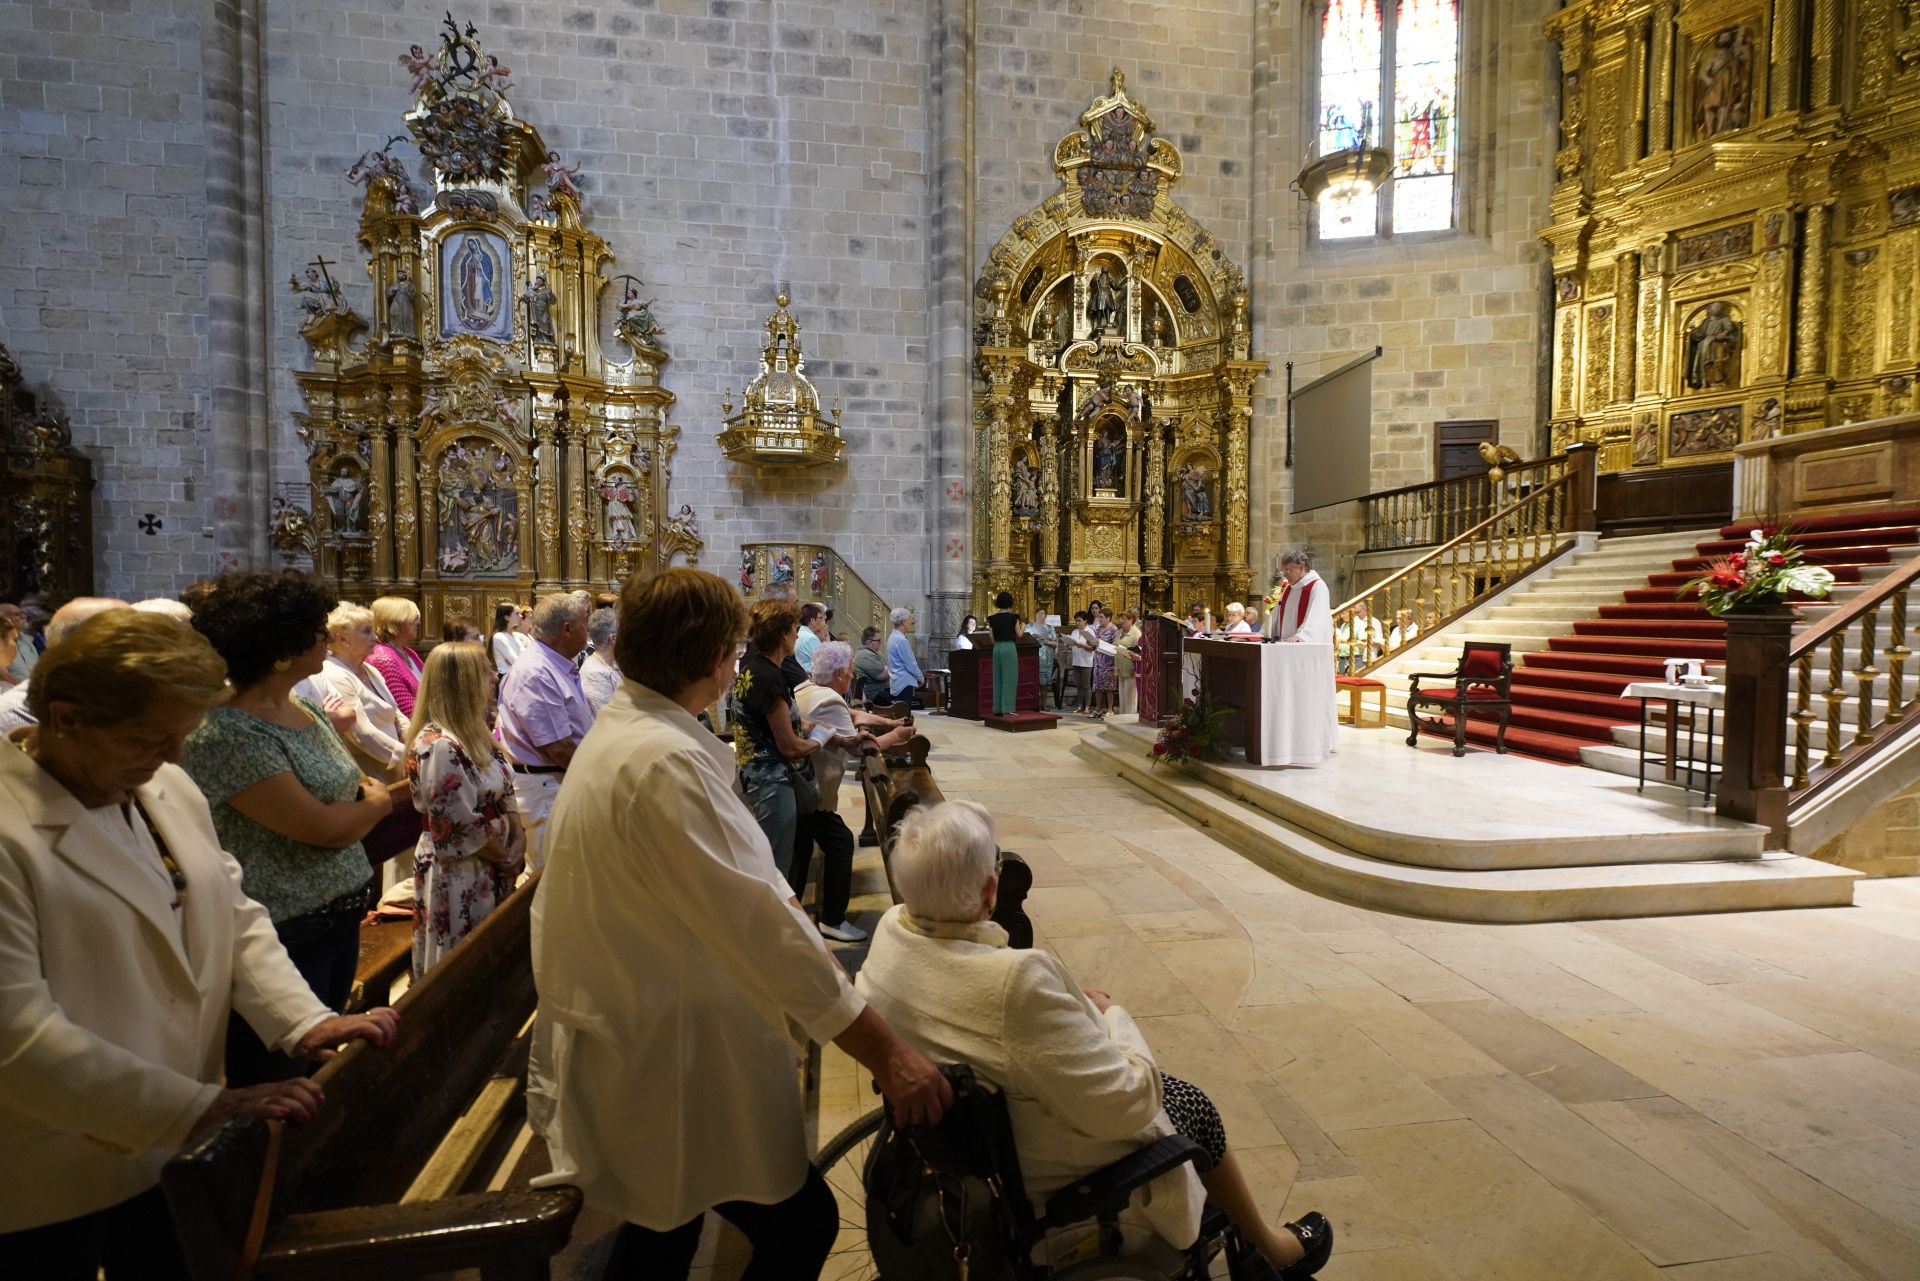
x=476, y=285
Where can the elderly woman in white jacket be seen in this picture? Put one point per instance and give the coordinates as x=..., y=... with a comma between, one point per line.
x=355, y=696
x=1081, y=1085
x=125, y=939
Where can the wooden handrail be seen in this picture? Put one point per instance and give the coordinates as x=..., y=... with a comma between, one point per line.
x=1514, y=470
x=1530, y=496
x=1852, y=612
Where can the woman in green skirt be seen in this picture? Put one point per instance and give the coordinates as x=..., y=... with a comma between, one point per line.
x=1005, y=625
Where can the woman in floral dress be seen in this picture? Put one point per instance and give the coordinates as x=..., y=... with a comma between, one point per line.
x=471, y=840
x=1105, y=681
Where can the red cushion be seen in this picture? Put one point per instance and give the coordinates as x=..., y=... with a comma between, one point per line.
x=1358, y=682
x=1480, y=662
x=1475, y=693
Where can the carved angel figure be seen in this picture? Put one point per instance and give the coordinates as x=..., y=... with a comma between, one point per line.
x=419, y=66
x=683, y=523
x=560, y=178
x=495, y=76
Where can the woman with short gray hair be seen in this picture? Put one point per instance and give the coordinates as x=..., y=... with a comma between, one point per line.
x=600, y=675
x=1081, y=1085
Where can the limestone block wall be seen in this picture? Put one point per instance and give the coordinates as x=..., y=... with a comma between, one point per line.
x=103, y=260
x=727, y=145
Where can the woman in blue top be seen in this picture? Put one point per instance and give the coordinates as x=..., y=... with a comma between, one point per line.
x=288, y=801
x=904, y=677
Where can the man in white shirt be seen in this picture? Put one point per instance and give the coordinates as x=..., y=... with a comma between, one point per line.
x=600, y=676
x=1303, y=613
x=1082, y=643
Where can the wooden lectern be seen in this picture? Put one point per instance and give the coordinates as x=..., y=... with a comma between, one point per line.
x=1230, y=675
x=1156, y=673
x=972, y=694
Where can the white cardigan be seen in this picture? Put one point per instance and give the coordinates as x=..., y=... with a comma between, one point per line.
x=1082, y=1088
x=112, y=1033
x=378, y=738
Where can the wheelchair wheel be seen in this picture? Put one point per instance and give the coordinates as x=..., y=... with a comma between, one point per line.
x=843, y=1163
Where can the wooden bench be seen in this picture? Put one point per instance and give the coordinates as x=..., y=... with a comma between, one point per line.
x=381, y=1183
x=895, y=790
x=386, y=952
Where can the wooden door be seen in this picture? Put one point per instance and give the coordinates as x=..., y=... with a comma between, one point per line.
x=1456, y=446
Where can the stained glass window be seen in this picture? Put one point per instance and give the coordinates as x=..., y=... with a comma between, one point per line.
x=1349, y=105
x=1412, y=62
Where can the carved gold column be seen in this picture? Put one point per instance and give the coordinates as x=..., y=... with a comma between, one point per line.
x=1825, y=52
x=1566, y=368
x=1000, y=365
x=1049, y=505
x=406, y=514
x=1810, y=324
x=1784, y=77
x=582, y=531
x=546, y=506
x=1154, y=538
x=1775, y=299
x=379, y=504
x=1660, y=75
x=1651, y=323
x=1236, y=379
x=1626, y=278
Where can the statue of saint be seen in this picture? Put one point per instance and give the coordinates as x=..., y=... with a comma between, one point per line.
x=347, y=498
x=1713, y=350
x=1720, y=86
x=619, y=498
x=540, y=298
x=403, y=307
x=1106, y=299
x=1196, y=496
x=1026, y=488
x=1106, y=461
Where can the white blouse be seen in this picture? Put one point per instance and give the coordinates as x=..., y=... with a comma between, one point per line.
x=506, y=648
x=669, y=959
x=378, y=727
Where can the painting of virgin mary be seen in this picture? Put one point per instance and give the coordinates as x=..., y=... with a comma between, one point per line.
x=474, y=276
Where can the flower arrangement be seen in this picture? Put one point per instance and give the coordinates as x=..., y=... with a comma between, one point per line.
x=1760, y=575
x=1198, y=732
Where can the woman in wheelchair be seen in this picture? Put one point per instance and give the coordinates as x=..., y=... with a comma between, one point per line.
x=1080, y=1083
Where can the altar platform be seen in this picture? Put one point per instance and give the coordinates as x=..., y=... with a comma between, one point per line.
x=1480, y=837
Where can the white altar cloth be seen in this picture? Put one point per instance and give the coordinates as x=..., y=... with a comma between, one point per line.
x=1299, y=723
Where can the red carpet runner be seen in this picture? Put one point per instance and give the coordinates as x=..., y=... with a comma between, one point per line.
x=1569, y=695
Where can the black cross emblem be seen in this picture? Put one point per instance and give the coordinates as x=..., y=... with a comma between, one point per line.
x=149, y=524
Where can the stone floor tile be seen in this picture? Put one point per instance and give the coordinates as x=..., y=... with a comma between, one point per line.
x=1883, y=1176
x=1484, y=1212
x=1344, y=1081
x=1663, y=1220
x=1396, y=1263
x=1538, y=1053
x=1124, y=967
x=1216, y=971
x=1362, y=1220
x=1428, y=1049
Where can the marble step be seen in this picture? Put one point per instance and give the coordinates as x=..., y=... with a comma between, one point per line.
x=1505, y=895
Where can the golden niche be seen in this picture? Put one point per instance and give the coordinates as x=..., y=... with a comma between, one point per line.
x=1115, y=401
x=482, y=445
x=780, y=423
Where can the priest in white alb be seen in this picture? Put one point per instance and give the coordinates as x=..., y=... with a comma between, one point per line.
x=1303, y=612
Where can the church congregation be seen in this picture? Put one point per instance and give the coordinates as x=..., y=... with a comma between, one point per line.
x=1020, y=640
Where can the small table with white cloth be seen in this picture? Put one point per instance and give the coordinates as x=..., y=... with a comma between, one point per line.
x=1711, y=697
x=1282, y=693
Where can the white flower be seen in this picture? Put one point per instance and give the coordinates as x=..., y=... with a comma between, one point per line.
x=1810, y=579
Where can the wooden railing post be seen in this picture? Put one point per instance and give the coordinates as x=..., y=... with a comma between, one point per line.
x=1753, y=738
x=1583, y=458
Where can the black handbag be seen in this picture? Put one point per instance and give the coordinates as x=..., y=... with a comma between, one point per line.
x=806, y=788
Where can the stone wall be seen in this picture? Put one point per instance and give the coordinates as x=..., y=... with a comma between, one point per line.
x=103, y=261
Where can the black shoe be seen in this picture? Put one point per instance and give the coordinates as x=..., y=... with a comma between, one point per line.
x=1315, y=1236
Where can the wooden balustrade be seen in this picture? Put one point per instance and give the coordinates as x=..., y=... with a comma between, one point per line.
x=1440, y=510
x=1497, y=550
x=1776, y=680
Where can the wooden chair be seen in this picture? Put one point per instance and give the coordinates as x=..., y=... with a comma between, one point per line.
x=1479, y=687
x=1355, y=688
x=378, y=1185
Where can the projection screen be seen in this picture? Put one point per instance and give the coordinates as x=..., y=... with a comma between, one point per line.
x=1332, y=424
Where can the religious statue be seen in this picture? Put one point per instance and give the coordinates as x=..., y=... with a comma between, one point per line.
x=347, y=497
x=403, y=306
x=636, y=323
x=539, y=299
x=378, y=168
x=684, y=524
x=817, y=575
x=1713, y=350
x=476, y=294
x=783, y=570
x=1106, y=299
x=494, y=76
x=317, y=295
x=619, y=497
x=1106, y=461
x=746, y=573
x=1646, y=441
x=560, y=178
x=1196, y=493
x=1026, y=488
x=1766, y=423
x=419, y=66
x=1720, y=87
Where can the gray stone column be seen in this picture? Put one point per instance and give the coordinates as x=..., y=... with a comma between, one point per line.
x=238, y=431
x=951, y=387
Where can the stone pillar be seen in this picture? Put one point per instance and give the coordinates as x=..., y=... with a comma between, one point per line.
x=238, y=462
x=1810, y=322
x=950, y=482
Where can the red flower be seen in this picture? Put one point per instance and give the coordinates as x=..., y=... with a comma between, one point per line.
x=1776, y=558
x=1738, y=560
x=1159, y=749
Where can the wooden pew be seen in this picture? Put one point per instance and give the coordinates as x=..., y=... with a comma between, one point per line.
x=377, y=1185
x=386, y=952
x=894, y=789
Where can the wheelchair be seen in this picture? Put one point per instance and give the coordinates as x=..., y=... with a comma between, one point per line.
x=1095, y=1202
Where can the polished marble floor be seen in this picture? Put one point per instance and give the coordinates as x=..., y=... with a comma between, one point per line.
x=1715, y=1098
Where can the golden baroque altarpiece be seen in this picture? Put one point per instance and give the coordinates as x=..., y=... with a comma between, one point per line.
x=1736, y=222
x=482, y=446
x=1113, y=416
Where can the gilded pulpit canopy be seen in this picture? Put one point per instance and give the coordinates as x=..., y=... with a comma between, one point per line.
x=1115, y=402
x=780, y=423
